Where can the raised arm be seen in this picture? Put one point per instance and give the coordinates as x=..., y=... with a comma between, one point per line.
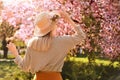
x=67, y=18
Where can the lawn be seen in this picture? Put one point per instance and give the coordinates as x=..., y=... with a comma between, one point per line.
x=98, y=61
x=10, y=71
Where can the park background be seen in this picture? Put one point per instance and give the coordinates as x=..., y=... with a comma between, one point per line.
x=98, y=58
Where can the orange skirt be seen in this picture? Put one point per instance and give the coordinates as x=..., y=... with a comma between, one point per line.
x=48, y=76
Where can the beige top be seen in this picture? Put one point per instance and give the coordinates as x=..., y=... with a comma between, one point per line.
x=53, y=59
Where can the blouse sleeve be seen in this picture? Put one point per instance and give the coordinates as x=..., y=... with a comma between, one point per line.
x=23, y=63
x=79, y=36
x=75, y=39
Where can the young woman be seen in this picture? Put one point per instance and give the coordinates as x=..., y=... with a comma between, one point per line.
x=45, y=53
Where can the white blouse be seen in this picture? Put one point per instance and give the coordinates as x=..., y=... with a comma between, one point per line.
x=53, y=59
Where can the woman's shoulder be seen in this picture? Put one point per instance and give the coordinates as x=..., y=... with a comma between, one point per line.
x=33, y=39
x=30, y=41
x=63, y=38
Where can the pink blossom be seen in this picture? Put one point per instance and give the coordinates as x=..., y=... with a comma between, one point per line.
x=22, y=13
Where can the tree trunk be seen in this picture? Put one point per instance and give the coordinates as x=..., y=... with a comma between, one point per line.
x=5, y=49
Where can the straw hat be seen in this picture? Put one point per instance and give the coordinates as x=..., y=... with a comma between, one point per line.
x=44, y=23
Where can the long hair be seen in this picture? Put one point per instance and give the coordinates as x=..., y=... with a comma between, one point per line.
x=41, y=43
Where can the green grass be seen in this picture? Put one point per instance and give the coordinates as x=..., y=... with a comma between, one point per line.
x=10, y=71
x=104, y=62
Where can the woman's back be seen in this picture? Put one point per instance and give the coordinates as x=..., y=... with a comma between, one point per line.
x=45, y=53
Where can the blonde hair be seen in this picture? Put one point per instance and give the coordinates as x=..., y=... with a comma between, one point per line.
x=41, y=43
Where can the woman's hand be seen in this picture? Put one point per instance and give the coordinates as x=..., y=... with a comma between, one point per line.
x=66, y=17
x=12, y=48
x=64, y=14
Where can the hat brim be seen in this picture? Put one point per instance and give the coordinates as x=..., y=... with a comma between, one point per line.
x=39, y=32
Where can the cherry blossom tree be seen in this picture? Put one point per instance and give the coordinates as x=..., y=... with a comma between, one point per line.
x=20, y=16
x=6, y=30
x=98, y=18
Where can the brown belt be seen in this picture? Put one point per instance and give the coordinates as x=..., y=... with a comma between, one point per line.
x=48, y=76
